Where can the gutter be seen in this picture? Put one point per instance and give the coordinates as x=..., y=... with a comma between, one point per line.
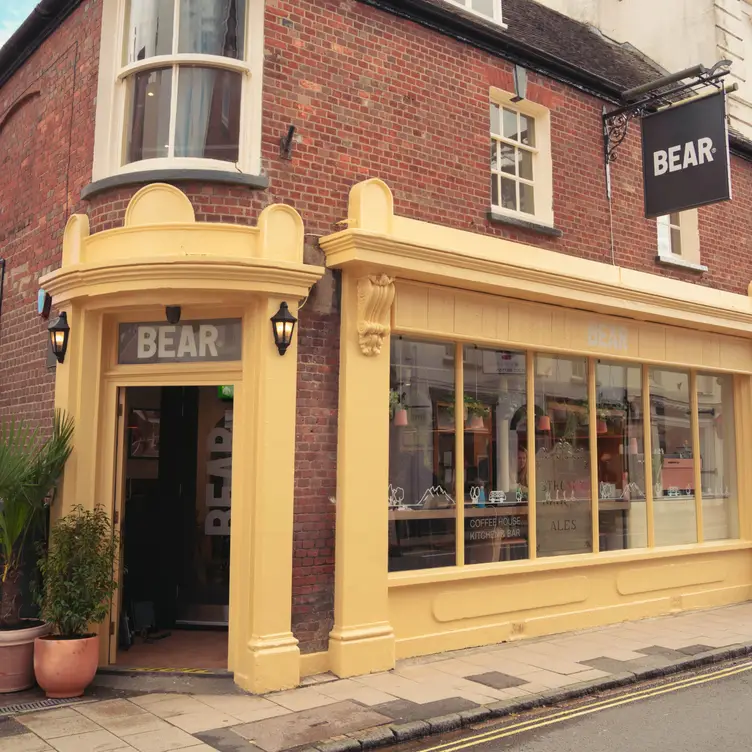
x=478, y=33
x=28, y=38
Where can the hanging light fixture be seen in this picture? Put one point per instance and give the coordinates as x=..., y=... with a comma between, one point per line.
x=601, y=426
x=544, y=423
x=283, y=325
x=59, y=331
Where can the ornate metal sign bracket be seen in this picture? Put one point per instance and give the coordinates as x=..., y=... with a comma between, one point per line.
x=692, y=82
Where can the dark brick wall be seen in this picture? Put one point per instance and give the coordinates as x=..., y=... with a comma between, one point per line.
x=371, y=95
x=46, y=142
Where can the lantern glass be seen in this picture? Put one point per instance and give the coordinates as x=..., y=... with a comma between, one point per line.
x=59, y=333
x=283, y=326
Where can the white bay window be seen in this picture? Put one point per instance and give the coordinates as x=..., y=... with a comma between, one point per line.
x=181, y=88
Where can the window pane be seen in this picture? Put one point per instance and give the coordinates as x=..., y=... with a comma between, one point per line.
x=422, y=527
x=508, y=158
x=208, y=116
x=622, y=518
x=664, y=235
x=527, y=130
x=494, y=155
x=495, y=119
x=495, y=456
x=676, y=241
x=673, y=463
x=527, y=200
x=509, y=194
x=562, y=456
x=213, y=27
x=148, y=133
x=148, y=29
x=486, y=7
x=509, y=122
x=495, y=190
x=525, y=163
x=720, y=514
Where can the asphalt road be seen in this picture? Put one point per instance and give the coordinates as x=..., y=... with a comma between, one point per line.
x=676, y=715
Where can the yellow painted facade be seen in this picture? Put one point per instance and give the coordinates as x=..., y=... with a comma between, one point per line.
x=160, y=257
x=399, y=276
x=452, y=285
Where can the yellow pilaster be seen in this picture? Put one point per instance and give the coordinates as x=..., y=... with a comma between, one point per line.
x=362, y=639
x=264, y=653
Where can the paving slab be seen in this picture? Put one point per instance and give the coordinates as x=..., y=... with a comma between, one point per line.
x=310, y=726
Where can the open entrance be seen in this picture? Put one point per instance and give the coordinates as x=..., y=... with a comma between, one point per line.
x=176, y=490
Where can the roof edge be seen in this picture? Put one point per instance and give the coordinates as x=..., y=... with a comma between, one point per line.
x=28, y=38
x=475, y=31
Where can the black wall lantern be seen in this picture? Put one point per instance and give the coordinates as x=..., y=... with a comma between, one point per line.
x=283, y=325
x=59, y=333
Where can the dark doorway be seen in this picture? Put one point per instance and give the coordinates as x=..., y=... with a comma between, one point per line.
x=176, y=541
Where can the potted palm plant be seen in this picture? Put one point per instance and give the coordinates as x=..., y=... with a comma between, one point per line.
x=78, y=584
x=30, y=469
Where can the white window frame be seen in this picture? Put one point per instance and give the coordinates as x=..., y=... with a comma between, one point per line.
x=688, y=255
x=467, y=5
x=542, y=163
x=112, y=99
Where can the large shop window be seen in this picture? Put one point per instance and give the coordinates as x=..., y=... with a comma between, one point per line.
x=604, y=449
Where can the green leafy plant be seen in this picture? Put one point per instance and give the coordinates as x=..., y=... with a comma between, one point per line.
x=476, y=407
x=78, y=572
x=30, y=469
x=395, y=399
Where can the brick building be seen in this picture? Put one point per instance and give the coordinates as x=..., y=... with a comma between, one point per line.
x=160, y=170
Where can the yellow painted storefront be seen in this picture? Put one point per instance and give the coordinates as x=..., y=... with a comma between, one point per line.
x=400, y=277
x=163, y=257
x=406, y=278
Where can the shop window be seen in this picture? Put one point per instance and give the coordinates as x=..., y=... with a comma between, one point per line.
x=678, y=239
x=622, y=512
x=590, y=457
x=673, y=458
x=520, y=159
x=182, y=89
x=562, y=457
x=422, y=456
x=720, y=513
x=486, y=8
x=495, y=456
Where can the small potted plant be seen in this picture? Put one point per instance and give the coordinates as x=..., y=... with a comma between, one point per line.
x=476, y=412
x=30, y=468
x=397, y=409
x=78, y=584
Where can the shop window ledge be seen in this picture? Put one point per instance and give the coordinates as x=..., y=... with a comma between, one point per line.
x=549, y=564
x=141, y=177
x=525, y=224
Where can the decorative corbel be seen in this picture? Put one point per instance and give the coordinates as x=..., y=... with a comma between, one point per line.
x=375, y=298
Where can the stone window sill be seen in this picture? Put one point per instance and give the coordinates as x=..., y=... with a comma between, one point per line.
x=259, y=182
x=524, y=224
x=681, y=263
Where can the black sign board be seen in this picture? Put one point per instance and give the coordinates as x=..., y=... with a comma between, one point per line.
x=186, y=342
x=685, y=160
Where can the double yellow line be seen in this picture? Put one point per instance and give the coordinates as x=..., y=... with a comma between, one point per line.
x=595, y=707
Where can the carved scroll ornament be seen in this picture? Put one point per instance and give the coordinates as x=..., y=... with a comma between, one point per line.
x=375, y=297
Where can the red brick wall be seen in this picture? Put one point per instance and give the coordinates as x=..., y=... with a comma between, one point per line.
x=46, y=142
x=371, y=95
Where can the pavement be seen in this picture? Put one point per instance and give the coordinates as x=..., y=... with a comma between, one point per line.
x=421, y=696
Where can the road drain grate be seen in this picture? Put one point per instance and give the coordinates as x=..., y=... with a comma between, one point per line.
x=25, y=707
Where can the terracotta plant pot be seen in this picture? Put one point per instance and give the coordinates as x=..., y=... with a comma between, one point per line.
x=64, y=668
x=17, y=657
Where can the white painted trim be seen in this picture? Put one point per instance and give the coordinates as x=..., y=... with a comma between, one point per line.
x=498, y=11
x=112, y=105
x=542, y=159
x=674, y=260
